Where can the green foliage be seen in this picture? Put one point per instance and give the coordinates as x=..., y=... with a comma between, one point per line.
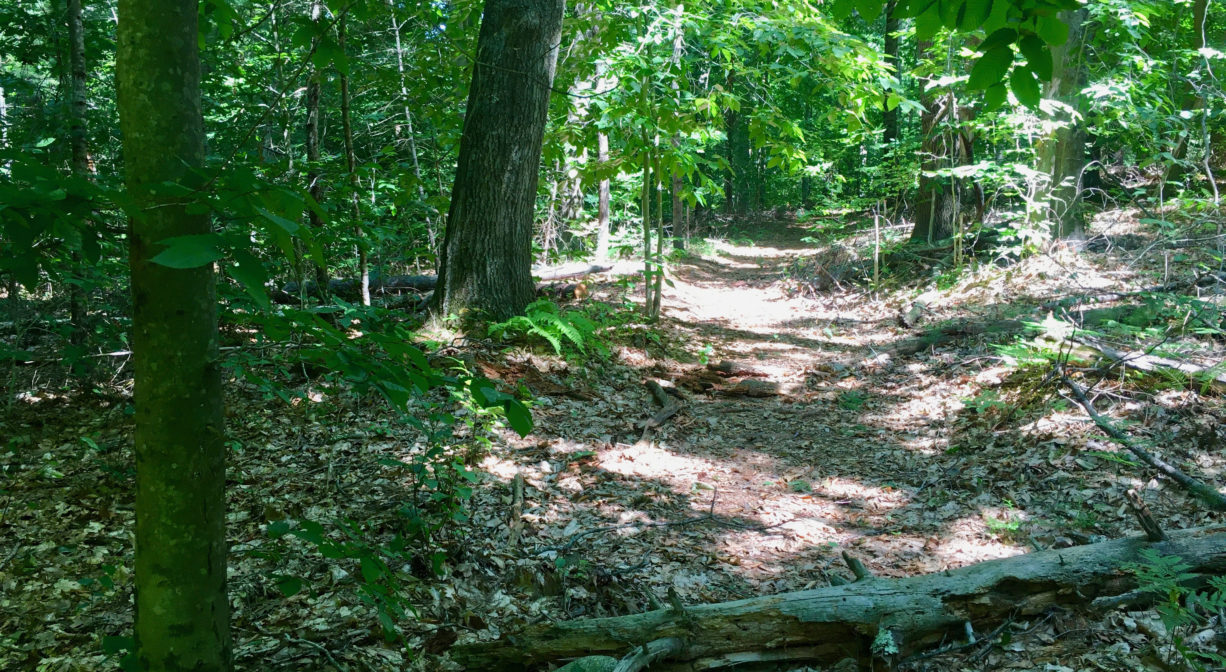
x=561, y=329
x=1182, y=608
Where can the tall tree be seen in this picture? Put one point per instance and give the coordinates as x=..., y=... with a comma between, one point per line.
x=485, y=261
x=182, y=615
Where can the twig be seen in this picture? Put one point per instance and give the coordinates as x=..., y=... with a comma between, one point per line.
x=1205, y=493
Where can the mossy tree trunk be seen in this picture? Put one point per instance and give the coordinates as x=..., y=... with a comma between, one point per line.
x=182, y=616
x=485, y=262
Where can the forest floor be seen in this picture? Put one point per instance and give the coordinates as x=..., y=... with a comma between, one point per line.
x=828, y=438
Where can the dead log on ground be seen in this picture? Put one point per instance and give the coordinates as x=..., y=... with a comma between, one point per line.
x=826, y=625
x=347, y=288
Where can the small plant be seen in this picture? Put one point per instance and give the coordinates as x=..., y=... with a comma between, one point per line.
x=1006, y=527
x=853, y=400
x=1181, y=608
x=543, y=319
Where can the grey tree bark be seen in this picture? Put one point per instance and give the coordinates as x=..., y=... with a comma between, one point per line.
x=485, y=261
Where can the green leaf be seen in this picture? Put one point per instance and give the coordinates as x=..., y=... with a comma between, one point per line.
x=990, y=68
x=1025, y=87
x=928, y=23
x=995, y=96
x=287, y=225
x=288, y=585
x=841, y=9
x=1051, y=29
x=1038, y=56
x=909, y=9
x=190, y=251
x=869, y=9
x=998, y=18
x=999, y=38
x=518, y=416
x=951, y=12
x=250, y=273
x=371, y=570
x=976, y=12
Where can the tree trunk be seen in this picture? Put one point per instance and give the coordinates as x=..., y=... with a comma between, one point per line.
x=182, y=615
x=315, y=184
x=889, y=119
x=351, y=166
x=861, y=620
x=82, y=164
x=484, y=266
x=408, y=128
x=603, y=230
x=1061, y=153
x=1188, y=99
x=943, y=204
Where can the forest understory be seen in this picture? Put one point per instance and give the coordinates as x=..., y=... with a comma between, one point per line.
x=808, y=427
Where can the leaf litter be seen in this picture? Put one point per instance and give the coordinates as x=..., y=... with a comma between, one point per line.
x=911, y=464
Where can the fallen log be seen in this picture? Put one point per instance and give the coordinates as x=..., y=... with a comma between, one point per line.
x=828, y=625
x=347, y=288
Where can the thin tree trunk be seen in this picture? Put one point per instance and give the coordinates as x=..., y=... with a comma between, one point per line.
x=408, y=128
x=351, y=164
x=485, y=262
x=645, y=203
x=82, y=164
x=890, y=114
x=603, y=230
x=182, y=614
x=315, y=185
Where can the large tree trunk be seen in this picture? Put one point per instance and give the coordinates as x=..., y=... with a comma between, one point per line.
x=1062, y=152
x=484, y=266
x=182, y=615
x=866, y=620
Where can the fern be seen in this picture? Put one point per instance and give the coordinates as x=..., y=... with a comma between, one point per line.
x=543, y=319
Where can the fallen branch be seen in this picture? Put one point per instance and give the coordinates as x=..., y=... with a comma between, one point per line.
x=1147, y=363
x=1207, y=494
x=827, y=625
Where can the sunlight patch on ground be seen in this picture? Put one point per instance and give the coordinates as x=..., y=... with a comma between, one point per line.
x=967, y=541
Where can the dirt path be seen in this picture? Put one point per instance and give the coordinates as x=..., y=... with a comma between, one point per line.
x=774, y=488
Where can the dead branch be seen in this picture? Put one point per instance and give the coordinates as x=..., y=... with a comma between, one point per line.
x=1210, y=496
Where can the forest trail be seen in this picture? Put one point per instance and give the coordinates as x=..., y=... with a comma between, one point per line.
x=744, y=494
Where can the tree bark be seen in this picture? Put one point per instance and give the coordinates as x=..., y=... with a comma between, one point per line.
x=82, y=164
x=351, y=167
x=603, y=230
x=484, y=265
x=182, y=615
x=315, y=184
x=831, y=624
x=1061, y=153
x=890, y=114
